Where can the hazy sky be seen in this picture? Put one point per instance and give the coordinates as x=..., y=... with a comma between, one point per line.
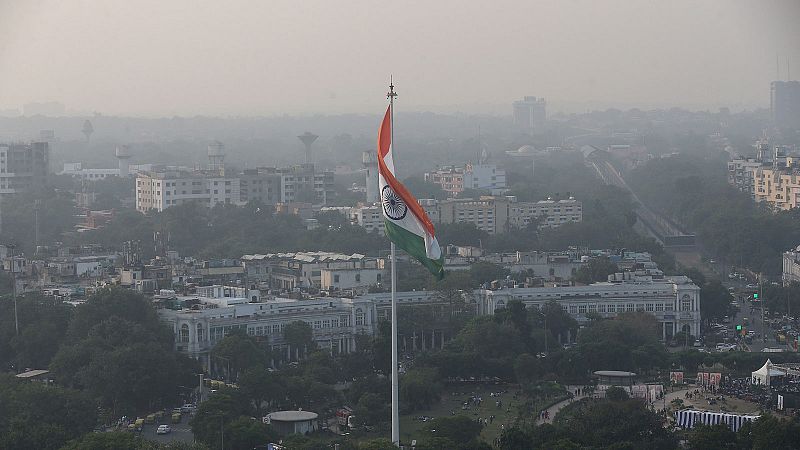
x=236, y=57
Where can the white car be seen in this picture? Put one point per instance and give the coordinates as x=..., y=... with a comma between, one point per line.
x=163, y=429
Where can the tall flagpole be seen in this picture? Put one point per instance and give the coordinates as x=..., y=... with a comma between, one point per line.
x=395, y=377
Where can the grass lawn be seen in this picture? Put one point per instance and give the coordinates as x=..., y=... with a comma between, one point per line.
x=410, y=427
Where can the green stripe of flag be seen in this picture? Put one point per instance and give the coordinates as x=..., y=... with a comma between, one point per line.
x=414, y=245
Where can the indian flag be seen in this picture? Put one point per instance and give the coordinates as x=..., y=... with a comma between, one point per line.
x=407, y=225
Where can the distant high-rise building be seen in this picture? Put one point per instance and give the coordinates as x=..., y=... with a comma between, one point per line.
x=530, y=113
x=785, y=103
x=23, y=166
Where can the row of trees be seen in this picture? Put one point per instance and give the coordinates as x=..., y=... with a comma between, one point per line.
x=621, y=423
x=111, y=356
x=694, y=191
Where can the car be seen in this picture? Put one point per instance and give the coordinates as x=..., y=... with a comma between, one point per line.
x=163, y=429
x=752, y=286
x=188, y=408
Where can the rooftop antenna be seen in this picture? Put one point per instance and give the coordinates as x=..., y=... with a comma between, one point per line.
x=307, y=139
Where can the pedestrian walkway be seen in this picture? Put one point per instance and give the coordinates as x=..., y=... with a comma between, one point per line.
x=554, y=409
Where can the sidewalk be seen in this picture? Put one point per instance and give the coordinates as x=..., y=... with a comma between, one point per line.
x=553, y=410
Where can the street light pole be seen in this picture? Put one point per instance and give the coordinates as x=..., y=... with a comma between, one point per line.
x=14, y=289
x=761, y=302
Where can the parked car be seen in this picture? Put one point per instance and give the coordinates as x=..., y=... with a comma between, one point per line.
x=163, y=429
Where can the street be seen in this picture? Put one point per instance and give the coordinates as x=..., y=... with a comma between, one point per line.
x=180, y=431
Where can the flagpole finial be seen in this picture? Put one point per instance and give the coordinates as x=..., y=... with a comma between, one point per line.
x=392, y=94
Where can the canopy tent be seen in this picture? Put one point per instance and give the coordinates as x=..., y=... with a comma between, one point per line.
x=765, y=374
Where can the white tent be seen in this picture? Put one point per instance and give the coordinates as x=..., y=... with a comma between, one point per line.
x=765, y=374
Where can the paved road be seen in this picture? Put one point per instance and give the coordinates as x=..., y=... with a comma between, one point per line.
x=180, y=431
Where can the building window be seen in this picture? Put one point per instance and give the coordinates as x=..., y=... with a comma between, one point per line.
x=358, y=277
x=184, y=333
x=336, y=278
x=200, y=334
x=686, y=303
x=359, y=317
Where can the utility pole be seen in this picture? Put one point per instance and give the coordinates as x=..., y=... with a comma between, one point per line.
x=761, y=302
x=14, y=288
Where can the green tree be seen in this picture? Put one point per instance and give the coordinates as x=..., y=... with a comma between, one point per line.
x=119, y=351
x=372, y=409
x=526, y=368
x=712, y=437
x=118, y=440
x=377, y=444
x=420, y=388
x=36, y=416
x=246, y=433
x=771, y=433
x=597, y=269
x=616, y=394
x=240, y=352
x=43, y=323
x=299, y=337
x=262, y=388
x=485, y=272
x=215, y=415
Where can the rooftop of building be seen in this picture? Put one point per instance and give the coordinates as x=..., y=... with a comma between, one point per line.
x=307, y=257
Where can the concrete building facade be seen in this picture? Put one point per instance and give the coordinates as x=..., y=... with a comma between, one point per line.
x=791, y=266
x=23, y=167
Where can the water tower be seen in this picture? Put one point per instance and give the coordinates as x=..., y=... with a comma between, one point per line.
x=123, y=154
x=216, y=157
x=370, y=161
x=87, y=129
x=307, y=139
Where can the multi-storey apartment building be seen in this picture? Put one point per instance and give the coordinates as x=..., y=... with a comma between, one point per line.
x=780, y=187
x=549, y=213
x=157, y=191
x=454, y=180
x=497, y=214
x=741, y=173
x=260, y=184
x=791, y=266
x=301, y=183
